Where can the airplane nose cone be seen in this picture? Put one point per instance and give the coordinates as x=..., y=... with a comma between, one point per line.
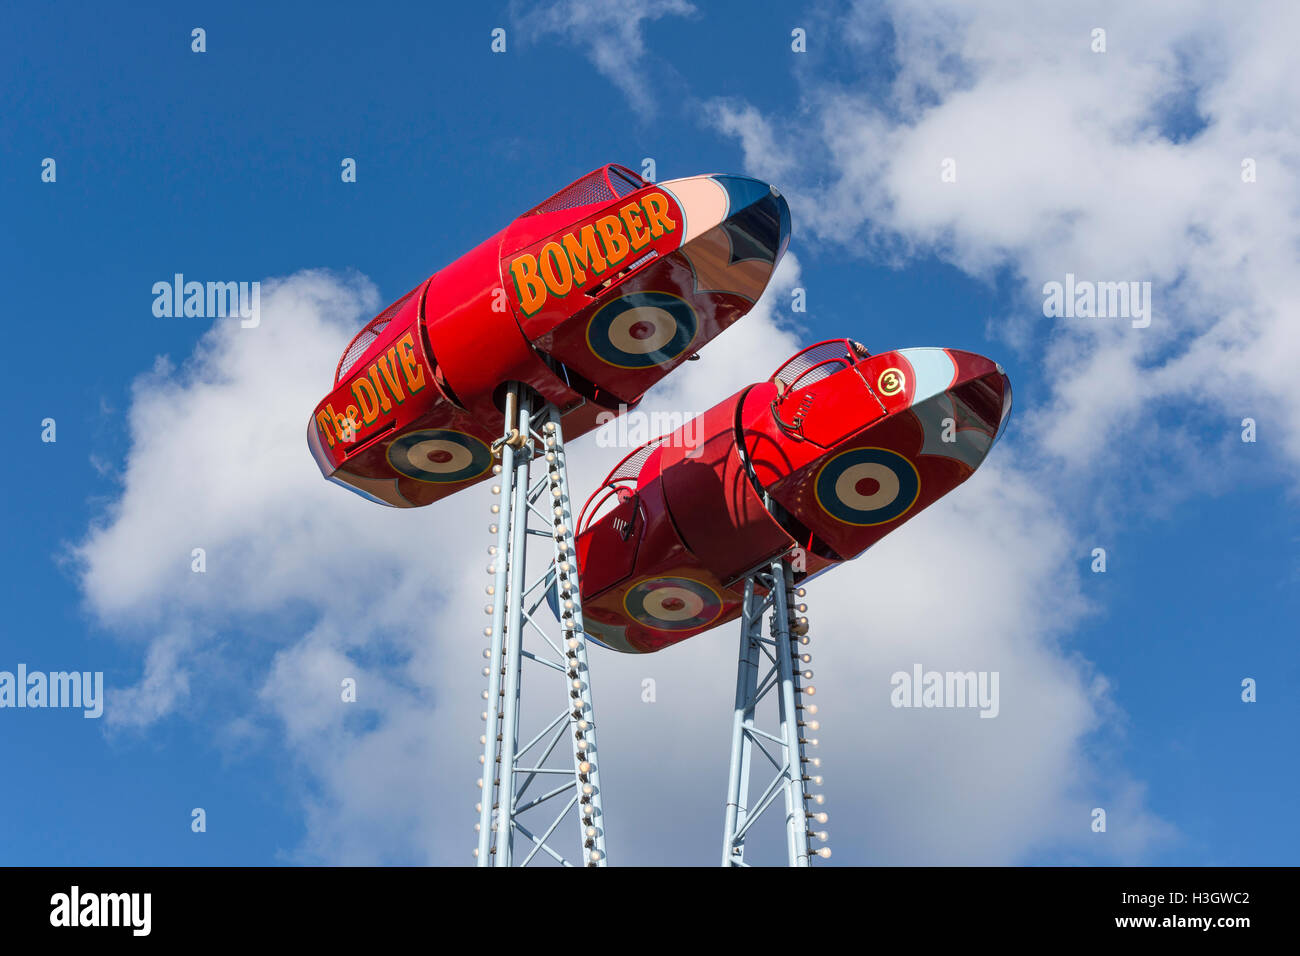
x=1005, y=385
x=758, y=218
x=736, y=230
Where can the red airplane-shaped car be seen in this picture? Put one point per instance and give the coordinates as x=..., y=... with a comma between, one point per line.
x=589, y=298
x=843, y=445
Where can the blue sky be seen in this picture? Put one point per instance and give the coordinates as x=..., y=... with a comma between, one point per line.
x=225, y=166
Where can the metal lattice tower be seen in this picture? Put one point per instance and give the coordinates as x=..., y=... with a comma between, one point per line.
x=550, y=772
x=773, y=668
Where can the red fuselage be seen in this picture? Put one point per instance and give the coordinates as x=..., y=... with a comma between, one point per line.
x=589, y=299
x=817, y=463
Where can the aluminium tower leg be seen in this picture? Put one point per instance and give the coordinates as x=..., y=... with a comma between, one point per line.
x=532, y=782
x=772, y=669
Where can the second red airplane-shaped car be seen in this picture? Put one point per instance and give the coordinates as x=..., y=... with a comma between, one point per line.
x=819, y=462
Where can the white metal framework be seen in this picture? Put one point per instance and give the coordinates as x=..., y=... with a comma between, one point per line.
x=773, y=668
x=532, y=783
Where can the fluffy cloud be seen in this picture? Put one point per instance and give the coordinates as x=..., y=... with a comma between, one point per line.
x=1116, y=166
x=307, y=585
x=610, y=34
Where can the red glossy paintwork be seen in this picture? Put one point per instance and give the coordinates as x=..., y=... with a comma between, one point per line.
x=848, y=447
x=590, y=299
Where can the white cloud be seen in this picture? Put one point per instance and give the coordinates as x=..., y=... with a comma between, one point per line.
x=307, y=585
x=1119, y=166
x=1062, y=167
x=611, y=35
x=1073, y=161
x=165, y=684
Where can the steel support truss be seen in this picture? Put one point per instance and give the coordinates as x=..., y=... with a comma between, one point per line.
x=772, y=669
x=533, y=781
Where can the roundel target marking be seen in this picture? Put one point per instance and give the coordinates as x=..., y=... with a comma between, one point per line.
x=672, y=604
x=439, y=456
x=867, y=486
x=642, y=330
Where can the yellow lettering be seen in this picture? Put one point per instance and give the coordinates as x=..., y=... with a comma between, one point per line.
x=656, y=214
x=584, y=250
x=384, y=403
x=388, y=367
x=529, y=286
x=324, y=421
x=411, y=366
x=361, y=389
x=551, y=261
x=635, y=230
x=611, y=233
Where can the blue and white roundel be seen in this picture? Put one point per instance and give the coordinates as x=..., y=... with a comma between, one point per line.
x=642, y=330
x=867, y=486
x=672, y=604
x=439, y=456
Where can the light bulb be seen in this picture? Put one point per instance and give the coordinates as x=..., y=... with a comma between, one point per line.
x=824, y=853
